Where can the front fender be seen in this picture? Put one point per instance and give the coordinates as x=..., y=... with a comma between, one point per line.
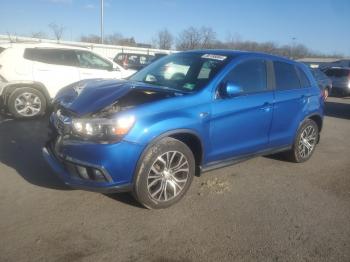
x=144, y=133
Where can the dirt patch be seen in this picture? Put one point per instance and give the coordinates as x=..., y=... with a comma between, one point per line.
x=215, y=185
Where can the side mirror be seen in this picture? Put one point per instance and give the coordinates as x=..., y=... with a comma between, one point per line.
x=115, y=68
x=229, y=89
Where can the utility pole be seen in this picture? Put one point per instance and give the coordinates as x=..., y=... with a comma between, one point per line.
x=292, y=47
x=101, y=21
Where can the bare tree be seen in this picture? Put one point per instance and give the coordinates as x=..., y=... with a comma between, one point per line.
x=57, y=30
x=114, y=39
x=95, y=39
x=38, y=34
x=197, y=38
x=189, y=38
x=164, y=39
x=208, y=37
x=128, y=41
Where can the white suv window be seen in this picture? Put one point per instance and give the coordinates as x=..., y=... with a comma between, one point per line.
x=89, y=60
x=52, y=56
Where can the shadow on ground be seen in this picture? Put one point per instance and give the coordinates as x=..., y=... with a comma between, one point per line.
x=21, y=142
x=125, y=198
x=20, y=148
x=336, y=109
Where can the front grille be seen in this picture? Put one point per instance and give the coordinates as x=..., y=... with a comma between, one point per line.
x=61, y=122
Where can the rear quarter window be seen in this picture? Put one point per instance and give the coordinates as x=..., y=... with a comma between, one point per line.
x=337, y=72
x=304, y=80
x=2, y=49
x=286, y=76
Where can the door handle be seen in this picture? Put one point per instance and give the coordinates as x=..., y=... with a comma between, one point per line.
x=305, y=96
x=203, y=114
x=266, y=106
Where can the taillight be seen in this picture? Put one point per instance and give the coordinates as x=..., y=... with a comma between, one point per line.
x=323, y=94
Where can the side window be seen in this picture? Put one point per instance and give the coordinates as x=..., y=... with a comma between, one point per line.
x=133, y=59
x=89, y=60
x=250, y=76
x=304, y=80
x=51, y=56
x=143, y=59
x=286, y=76
x=119, y=58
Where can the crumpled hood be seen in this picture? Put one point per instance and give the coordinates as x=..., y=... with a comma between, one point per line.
x=90, y=96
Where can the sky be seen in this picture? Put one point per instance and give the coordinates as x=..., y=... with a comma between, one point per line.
x=321, y=25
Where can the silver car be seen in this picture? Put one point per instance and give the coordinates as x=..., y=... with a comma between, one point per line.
x=340, y=77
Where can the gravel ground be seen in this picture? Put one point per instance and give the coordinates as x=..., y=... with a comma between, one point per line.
x=264, y=209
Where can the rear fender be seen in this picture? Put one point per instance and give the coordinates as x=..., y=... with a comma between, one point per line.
x=10, y=87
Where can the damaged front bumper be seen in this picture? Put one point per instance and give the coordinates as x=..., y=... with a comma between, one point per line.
x=115, y=162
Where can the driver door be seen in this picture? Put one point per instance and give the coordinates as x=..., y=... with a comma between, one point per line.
x=240, y=125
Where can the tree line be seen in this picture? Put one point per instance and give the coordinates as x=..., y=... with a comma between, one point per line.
x=196, y=38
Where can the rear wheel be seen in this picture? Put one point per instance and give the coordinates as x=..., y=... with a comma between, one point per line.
x=305, y=142
x=165, y=174
x=26, y=102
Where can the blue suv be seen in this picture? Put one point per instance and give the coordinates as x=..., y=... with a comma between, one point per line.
x=183, y=114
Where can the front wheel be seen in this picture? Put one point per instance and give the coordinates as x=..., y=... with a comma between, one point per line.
x=26, y=102
x=305, y=142
x=165, y=174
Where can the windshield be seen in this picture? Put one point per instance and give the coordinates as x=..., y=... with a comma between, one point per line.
x=186, y=72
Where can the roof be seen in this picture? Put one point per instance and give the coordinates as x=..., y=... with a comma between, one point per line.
x=42, y=45
x=236, y=53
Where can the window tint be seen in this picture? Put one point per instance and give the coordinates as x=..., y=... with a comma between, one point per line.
x=250, y=76
x=89, y=60
x=119, y=58
x=286, y=76
x=337, y=72
x=318, y=74
x=51, y=56
x=304, y=81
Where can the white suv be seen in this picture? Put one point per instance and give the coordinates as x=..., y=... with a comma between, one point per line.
x=32, y=74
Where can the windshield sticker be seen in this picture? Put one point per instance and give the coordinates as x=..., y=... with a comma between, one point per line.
x=189, y=86
x=216, y=57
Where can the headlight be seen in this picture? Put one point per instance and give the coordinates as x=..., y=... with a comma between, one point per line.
x=102, y=129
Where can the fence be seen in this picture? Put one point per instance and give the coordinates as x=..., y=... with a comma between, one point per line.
x=105, y=50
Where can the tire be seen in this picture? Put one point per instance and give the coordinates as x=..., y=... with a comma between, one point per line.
x=26, y=102
x=300, y=152
x=168, y=168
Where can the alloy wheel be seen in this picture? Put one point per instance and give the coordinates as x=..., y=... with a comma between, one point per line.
x=307, y=142
x=168, y=176
x=28, y=104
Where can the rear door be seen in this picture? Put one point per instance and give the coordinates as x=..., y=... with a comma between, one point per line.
x=55, y=68
x=93, y=66
x=291, y=103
